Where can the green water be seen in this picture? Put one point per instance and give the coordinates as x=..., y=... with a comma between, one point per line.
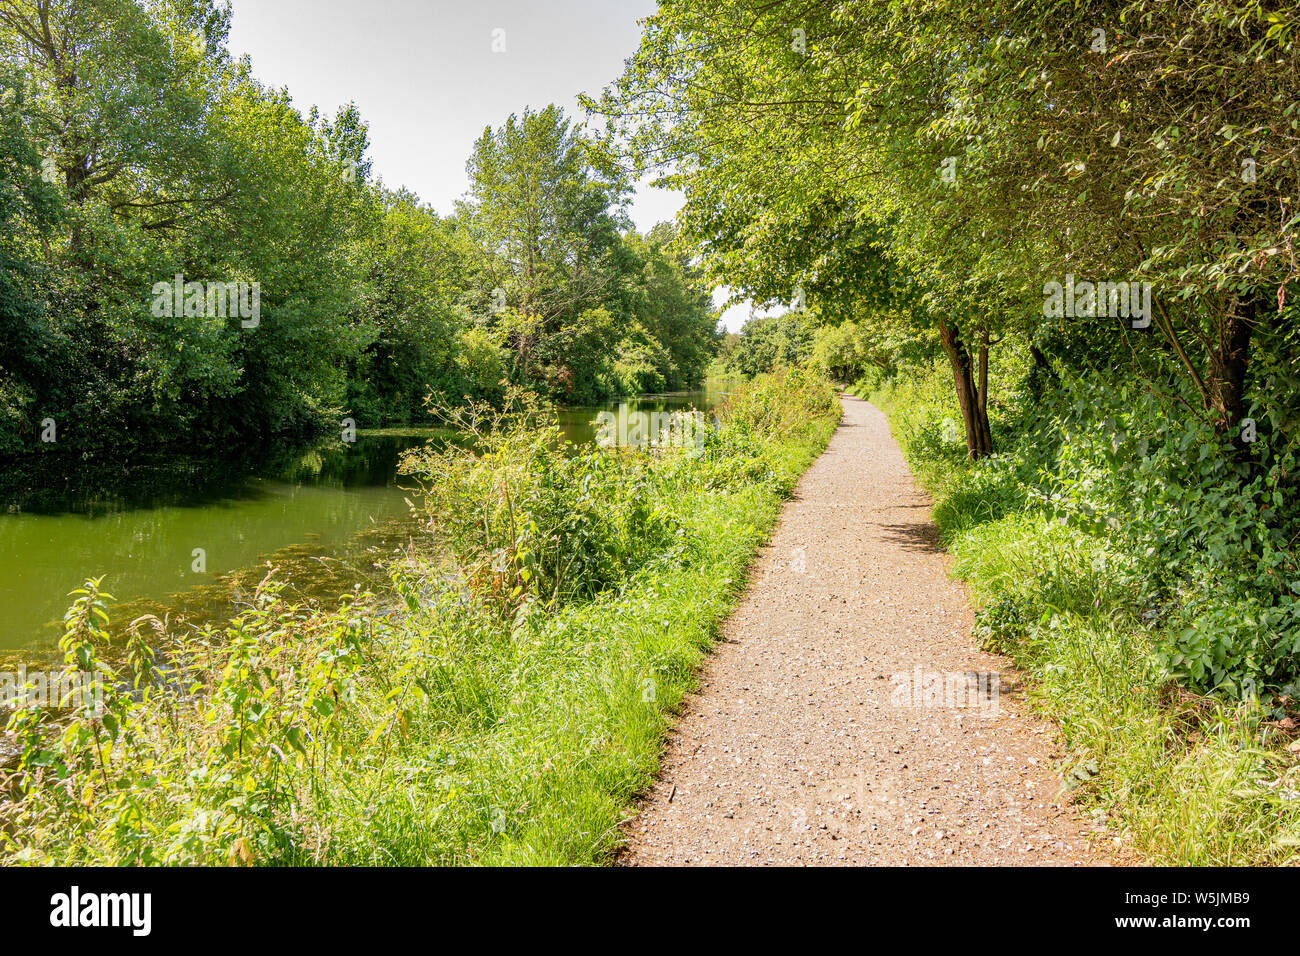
x=577, y=422
x=191, y=543
x=326, y=518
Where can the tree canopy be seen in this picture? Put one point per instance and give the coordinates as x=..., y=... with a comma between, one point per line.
x=136, y=154
x=985, y=150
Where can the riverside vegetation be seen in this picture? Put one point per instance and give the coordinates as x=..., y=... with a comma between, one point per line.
x=1132, y=577
x=920, y=182
x=137, y=154
x=502, y=704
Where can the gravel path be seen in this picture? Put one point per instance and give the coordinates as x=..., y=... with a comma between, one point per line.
x=811, y=740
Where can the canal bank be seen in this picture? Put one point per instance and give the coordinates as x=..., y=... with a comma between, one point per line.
x=505, y=714
x=191, y=539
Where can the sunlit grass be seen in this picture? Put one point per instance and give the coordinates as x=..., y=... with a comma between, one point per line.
x=453, y=721
x=1178, y=778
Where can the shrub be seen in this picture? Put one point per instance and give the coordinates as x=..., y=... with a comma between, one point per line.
x=501, y=703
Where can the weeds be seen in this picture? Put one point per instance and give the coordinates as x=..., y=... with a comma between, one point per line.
x=1054, y=536
x=508, y=713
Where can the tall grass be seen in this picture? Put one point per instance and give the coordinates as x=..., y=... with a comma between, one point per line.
x=507, y=711
x=1179, y=777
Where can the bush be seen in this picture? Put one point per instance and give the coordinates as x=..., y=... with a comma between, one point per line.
x=501, y=703
x=530, y=518
x=1130, y=562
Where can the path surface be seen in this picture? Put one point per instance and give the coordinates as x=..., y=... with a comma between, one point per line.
x=803, y=746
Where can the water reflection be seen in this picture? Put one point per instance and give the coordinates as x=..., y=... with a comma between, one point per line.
x=579, y=423
x=191, y=538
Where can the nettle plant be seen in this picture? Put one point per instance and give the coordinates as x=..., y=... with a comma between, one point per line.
x=216, y=755
x=530, y=519
x=1205, y=535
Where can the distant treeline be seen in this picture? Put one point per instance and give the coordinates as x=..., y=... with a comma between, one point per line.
x=187, y=258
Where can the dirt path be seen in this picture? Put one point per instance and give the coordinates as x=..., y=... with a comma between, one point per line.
x=804, y=747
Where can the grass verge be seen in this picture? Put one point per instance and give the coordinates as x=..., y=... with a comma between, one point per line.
x=1181, y=778
x=503, y=705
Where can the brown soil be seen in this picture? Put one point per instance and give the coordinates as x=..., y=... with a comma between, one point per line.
x=801, y=746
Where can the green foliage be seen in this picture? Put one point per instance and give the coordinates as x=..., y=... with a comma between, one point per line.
x=877, y=346
x=134, y=149
x=1117, y=553
x=501, y=704
x=587, y=311
x=530, y=519
x=28, y=208
x=942, y=163
x=773, y=341
x=418, y=340
x=480, y=362
x=1198, y=544
x=211, y=766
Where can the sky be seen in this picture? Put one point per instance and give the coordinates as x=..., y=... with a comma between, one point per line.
x=425, y=76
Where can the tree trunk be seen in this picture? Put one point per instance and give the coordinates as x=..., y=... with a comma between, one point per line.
x=971, y=399
x=1041, y=373
x=1229, y=363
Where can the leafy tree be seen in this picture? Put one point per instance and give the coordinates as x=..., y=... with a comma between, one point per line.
x=27, y=211
x=993, y=149
x=769, y=342
x=136, y=151
x=544, y=214
x=408, y=303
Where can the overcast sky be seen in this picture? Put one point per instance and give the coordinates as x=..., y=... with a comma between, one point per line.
x=426, y=79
